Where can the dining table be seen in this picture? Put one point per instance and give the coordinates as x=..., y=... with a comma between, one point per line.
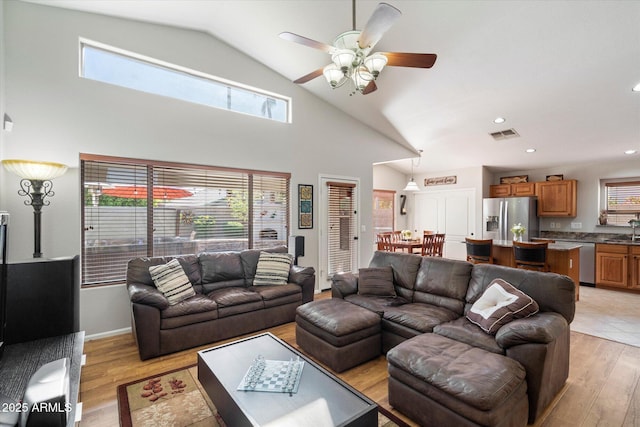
x=408, y=245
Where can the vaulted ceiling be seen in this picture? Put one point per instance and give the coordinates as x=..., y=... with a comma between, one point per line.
x=560, y=72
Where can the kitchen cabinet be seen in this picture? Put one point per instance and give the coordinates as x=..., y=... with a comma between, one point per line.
x=521, y=189
x=618, y=265
x=563, y=258
x=557, y=198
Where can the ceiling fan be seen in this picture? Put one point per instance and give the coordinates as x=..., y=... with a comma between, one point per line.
x=352, y=60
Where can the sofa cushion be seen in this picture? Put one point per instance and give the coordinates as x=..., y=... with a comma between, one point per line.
x=376, y=281
x=249, y=258
x=500, y=304
x=443, y=282
x=221, y=267
x=461, y=329
x=419, y=317
x=377, y=304
x=138, y=269
x=405, y=268
x=171, y=280
x=272, y=269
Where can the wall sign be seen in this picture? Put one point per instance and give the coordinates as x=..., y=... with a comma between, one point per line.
x=441, y=180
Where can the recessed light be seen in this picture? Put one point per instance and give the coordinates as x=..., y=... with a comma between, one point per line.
x=631, y=152
x=499, y=120
x=530, y=150
x=636, y=88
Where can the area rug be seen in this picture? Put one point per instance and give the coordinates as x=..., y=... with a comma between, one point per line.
x=177, y=399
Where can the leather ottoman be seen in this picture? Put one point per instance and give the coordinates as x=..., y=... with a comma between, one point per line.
x=337, y=333
x=437, y=381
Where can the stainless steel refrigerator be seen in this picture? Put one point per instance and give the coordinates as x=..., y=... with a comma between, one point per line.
x=500, y=214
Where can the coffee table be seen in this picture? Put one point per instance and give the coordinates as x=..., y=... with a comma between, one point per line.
x=322, y=399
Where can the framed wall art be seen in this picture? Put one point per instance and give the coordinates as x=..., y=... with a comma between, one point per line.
x=305, y=206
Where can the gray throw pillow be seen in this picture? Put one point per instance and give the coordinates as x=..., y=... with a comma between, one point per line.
x=376, y=281
x=500, y=303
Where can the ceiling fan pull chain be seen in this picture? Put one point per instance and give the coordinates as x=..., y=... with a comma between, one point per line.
x=353, y=14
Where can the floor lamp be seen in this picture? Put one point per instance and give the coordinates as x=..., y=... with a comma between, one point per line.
x=37, y=186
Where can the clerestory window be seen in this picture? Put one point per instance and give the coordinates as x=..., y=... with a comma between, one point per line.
x=108, y=64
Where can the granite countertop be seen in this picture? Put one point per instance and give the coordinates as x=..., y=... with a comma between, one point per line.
x=609, y=238
x=558, y=246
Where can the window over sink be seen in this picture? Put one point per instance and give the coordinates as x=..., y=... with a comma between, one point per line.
x=620, y=201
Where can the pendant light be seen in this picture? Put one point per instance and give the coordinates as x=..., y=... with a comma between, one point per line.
x=412, y=185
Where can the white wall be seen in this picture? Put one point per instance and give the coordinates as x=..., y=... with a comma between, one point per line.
x=58, y=115
x=588, y=176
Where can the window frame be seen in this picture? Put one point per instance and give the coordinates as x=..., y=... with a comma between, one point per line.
x=617, y=218
x=184, y=71
x=254, y=181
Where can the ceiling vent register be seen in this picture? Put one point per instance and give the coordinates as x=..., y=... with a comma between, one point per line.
x=504, y=134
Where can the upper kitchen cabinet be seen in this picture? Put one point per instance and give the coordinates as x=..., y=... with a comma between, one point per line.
x=557, y=198
x=521, y=189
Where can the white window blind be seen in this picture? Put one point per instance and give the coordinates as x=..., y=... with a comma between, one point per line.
x=622, y=201
x=136, y=208
x=341, y=226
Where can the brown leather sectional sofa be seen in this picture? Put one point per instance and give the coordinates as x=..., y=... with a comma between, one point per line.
x=225, y=304
x=433, y=297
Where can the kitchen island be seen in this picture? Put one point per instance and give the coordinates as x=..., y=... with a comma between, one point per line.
x=563, y=258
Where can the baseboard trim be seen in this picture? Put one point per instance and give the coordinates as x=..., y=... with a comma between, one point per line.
x=107, y=334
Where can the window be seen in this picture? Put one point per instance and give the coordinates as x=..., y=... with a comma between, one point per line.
x=622, y=201
x=118, y=67
x=383, y=210
x=342, y=226
x=136, y=208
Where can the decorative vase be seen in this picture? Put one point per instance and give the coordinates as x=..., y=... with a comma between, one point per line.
x=517, y=237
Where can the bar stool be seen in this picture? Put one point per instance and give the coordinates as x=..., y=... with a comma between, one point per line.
x=531, y=256
x=479, y=251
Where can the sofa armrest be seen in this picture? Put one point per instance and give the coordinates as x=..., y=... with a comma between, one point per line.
x=147, y=295
x=343, y=284
x=540, y=328
x=305, y=277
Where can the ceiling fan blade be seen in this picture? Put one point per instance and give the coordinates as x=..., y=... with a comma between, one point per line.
x=312, y=75
x=382, y=19
x=371, y=87
x=416, y=60
x=306, y=41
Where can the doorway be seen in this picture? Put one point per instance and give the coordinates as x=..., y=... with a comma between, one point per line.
x=339, y=225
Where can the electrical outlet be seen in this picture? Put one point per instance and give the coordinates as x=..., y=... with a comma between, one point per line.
x=576, y=225
x=552, y=225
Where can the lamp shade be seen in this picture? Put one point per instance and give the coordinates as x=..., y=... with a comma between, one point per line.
x=362, y=77
x=343, y=58
x=375, y=63
x=333, y=74
x=411, y=186
x=33, y=170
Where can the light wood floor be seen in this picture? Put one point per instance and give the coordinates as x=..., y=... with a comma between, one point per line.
x=603, y=387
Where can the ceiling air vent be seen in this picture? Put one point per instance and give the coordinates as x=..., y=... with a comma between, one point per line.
x=504, y=134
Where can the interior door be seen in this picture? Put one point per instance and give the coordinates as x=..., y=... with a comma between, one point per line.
x=449, y=212
x=339, y=225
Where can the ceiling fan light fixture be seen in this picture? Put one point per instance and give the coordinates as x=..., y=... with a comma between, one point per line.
x=362, y=77
x=343, y=58
x=375, y=63
x=334, y=75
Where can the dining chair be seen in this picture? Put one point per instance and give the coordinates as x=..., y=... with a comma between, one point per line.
x=438, y=244
x=396, y=236
x=531, y=256
x=428, y=232
x=541, y=239
x=383, y=240
x=479, y=251
x=427, y=244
